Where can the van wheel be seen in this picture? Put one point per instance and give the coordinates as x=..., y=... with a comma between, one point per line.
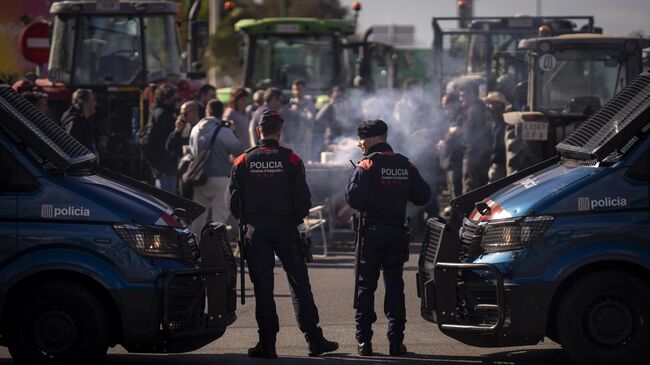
x=58, y=323
x=604, y=319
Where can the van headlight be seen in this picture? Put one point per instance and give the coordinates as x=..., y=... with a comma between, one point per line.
x=151, y=241
x=510, y=235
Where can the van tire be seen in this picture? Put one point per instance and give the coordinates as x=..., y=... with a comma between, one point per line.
x=604, y=318
x=56, y=323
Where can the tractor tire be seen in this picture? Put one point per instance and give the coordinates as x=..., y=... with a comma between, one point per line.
x=520, y=154
x=57, y=323
x=604, y=318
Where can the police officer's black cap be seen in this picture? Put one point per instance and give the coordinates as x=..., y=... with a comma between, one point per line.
x=372, y=128
x=271, y=116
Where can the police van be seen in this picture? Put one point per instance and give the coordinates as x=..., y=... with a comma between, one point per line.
x=560, y=250
x=91, y=259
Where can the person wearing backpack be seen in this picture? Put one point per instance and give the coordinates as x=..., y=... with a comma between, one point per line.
x=211, y=134
x=153, y=136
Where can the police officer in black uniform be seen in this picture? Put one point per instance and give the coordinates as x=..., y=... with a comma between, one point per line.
x=268, y=183
x=379, y=189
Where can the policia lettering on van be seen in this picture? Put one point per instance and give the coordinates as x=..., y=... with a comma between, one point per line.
x=91, y=259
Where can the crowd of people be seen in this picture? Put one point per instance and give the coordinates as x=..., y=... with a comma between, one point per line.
x=472, y=151
x=451, y=145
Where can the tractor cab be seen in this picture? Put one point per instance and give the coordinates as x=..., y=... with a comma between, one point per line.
x=131, y=44
x=281, y=50
x=120, y=50
x=472, y=47
x=570, y=77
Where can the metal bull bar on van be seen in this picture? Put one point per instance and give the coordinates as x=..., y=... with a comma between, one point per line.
x=443, y=270
x=183, y=312
x=439, y=281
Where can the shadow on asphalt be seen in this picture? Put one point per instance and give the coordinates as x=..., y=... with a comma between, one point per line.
x=523, y=357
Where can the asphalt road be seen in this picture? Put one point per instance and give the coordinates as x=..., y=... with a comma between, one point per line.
x=332, y=284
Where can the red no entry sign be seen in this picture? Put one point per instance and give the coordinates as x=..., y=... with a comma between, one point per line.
x=35, y=42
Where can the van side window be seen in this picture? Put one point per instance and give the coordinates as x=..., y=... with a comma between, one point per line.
x=13, y=176
x=640, y=170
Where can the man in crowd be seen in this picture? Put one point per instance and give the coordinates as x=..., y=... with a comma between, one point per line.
x=236, y=112
x=258, y=101
x=180, y=136
x=496, y=104
x=268, y=192
x=327, y=124
x=206, y=93
x=411, y=110
x=300, y=119
x=223, y=144
x=451, y=147
x=477, y=139
x=80, y=123
x=272, y=101
x=153, y=137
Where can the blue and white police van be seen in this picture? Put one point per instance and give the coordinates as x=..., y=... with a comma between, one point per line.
x=91, y=259
x=560, y=250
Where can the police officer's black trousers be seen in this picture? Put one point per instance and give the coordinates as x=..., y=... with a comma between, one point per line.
x=383, y=248
x=264, y=241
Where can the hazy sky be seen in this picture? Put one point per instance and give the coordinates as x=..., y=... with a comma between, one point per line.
x=616, y=17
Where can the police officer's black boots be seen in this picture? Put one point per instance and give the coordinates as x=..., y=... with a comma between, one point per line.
x=321, y=346
x=264, y=349
x=364, y=349
x=397, y=348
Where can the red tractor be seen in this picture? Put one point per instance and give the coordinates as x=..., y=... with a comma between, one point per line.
x=121, y=50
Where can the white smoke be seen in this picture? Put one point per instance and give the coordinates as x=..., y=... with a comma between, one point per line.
x=343, y=150
x=414, y=127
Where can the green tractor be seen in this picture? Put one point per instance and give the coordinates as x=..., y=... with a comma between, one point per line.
x=280, y=50
x=570, y=77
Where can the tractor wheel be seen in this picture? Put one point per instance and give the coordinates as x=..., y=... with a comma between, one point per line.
x=520, y=154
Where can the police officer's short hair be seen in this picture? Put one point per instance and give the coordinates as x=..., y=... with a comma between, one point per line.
x=270, y=122
x=272, y=93
x=81, y=96
x=214, y=107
